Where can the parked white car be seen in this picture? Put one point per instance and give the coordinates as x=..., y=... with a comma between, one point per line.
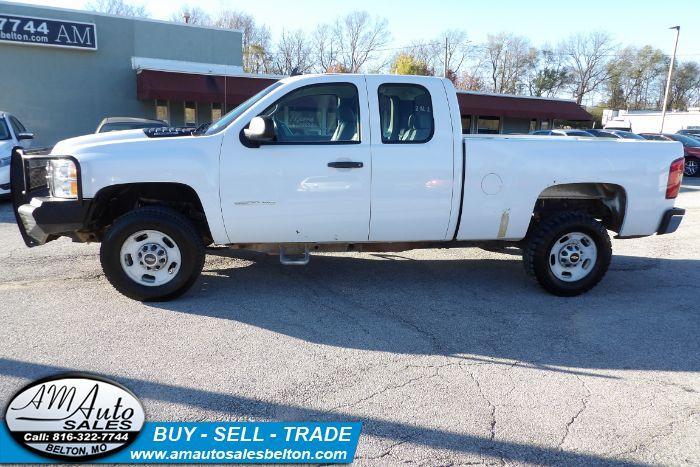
x=345, y=163
x=12, y=134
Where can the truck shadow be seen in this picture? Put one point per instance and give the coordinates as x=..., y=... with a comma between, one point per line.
x=643, y=316
x=244, y=408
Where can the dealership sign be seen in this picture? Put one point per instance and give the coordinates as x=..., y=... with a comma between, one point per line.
x=47, y=32
x=74, y=417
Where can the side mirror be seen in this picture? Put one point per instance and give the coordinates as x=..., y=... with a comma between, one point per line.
x=260, y=130
x=21, y=136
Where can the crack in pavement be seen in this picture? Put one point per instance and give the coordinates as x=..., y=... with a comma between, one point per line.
x=584, y=406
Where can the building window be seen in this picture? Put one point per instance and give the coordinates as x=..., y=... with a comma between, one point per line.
x=162, y=110
x=533, y=124
x=488, y=125
x=215, y=112
x=466, y=124
x=544, y=125
x=190, y=113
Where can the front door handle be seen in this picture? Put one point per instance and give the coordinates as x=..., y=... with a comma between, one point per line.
x=345, y=165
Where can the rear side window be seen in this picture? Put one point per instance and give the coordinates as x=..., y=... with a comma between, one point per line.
x=4, y=132
x=406, y=114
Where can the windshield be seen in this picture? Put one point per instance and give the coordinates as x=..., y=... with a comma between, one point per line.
x=686, y=140
x=227, y=119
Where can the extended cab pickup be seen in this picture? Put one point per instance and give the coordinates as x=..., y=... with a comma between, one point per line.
x=344, y=163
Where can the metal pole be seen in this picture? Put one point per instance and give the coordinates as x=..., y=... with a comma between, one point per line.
x=668, y=80
x=447, y=45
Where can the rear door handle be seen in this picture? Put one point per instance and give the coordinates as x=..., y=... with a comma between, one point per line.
x=345, y=165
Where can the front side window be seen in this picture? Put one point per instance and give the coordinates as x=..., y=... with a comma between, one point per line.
x=405, y=113
x=4, y=131
x=323, y=113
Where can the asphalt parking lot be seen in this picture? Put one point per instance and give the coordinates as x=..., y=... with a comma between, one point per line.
x=447, y=356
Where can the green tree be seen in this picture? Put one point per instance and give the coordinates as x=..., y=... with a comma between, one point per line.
x=407, y=64
x=636, y=78
x=684, y=86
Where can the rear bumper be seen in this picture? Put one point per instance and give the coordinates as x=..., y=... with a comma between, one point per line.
x=670, y=221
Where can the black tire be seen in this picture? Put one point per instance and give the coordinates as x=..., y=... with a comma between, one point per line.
x=169, y=222
x=541, y=238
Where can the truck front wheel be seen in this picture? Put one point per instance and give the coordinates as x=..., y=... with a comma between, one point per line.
x=152, y=254
x=568, y=253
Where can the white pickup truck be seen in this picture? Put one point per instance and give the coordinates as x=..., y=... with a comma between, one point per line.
x=344, y=163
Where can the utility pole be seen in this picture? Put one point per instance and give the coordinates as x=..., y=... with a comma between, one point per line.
x=447, y=48
x=670, y=74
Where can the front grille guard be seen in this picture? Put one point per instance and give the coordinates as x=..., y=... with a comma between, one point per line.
x=28, y=180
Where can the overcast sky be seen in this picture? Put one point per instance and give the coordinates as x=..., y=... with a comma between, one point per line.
x=637, y=22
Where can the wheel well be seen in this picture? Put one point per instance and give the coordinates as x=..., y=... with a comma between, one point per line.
x=604, y=201
x=113, y=201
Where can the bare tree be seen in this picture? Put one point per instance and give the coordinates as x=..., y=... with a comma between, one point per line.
x=256, y=39
x=324, y=48
x=117, y=7
x=293, y=53
x=586, y=57
x=509, y=58
x=453, y=47
x=192, y=15
x=360, y=40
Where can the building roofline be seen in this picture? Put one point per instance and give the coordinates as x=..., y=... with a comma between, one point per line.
x=495, y=94
x=196, y=68
x=106, y=15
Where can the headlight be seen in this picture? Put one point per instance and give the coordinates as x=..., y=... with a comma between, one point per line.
x=4, y=161
x=63, y=178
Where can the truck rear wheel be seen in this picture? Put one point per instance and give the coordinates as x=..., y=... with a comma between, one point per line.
x=152, y=254
x=568, y=253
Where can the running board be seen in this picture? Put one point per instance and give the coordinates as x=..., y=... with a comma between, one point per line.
x=298, y=260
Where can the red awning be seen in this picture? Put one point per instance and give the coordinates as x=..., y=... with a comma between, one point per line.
x=172, y=86
x=166, y=85
x=490, y=105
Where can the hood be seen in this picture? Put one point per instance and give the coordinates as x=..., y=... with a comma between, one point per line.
x=69, y=147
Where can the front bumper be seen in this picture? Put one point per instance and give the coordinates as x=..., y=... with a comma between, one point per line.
x=40, y=217
x=44, y=219
x=670, y=221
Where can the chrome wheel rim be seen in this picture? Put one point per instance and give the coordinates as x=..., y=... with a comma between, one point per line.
x=691, y=167
x=150, y=258
x=573, y=256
